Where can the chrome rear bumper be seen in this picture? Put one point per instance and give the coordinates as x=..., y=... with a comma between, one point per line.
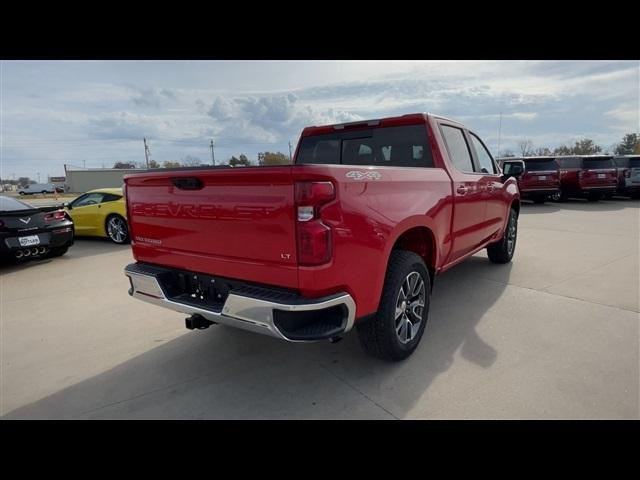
x=241, y=311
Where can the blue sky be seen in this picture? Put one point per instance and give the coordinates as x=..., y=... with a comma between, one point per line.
x=95, y=113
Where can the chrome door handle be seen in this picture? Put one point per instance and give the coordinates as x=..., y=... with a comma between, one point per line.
x=462, y=190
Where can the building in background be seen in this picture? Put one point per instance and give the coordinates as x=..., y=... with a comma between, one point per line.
x=80, y=180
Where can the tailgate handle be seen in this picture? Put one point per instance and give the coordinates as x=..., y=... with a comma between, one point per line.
x=187, y=183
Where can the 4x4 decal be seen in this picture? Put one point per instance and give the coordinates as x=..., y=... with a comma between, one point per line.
x=364, y=175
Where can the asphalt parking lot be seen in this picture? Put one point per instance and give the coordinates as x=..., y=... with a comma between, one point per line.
x=555, y=334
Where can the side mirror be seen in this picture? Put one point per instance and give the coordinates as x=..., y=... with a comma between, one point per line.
x=512, y=168
x=67, y=205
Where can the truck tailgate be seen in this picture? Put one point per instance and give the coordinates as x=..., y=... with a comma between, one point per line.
x=233, y=222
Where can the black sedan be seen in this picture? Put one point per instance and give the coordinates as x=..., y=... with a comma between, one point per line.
x=27, y=232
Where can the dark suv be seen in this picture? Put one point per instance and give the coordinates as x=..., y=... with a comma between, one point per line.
x=540, y=180
x=587, y=176
x=628, y=175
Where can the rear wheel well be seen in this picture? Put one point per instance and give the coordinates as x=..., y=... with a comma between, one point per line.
x=421, y=241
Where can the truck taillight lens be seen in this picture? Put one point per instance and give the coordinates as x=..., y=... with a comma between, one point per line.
x=314, y=237
x=54, y=216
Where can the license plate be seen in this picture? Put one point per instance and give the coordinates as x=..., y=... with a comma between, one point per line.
x=29, y=241
x=542, y=177
x=601, y=175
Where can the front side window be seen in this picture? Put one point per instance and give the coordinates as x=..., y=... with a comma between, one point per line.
x=457, y=148
x=484, y=157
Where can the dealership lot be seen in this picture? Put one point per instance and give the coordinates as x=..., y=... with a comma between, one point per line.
x=555, y=334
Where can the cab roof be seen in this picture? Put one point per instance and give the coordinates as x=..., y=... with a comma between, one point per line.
x=408, y=119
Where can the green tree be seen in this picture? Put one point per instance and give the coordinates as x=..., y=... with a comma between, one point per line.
x=629, y=145
x=586, y=147
x=24, y=181
x=233, y=161
x=168, y=164
x=273, y=158
x=244, y=160
x=153, y=164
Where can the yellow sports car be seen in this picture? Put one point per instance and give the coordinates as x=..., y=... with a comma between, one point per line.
x=100, y=213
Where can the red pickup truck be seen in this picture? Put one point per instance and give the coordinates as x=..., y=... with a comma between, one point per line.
x=352, y=234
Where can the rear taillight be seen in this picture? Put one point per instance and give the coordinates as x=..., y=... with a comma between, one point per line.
x=627, y=174
x=55, y=216
x=314, y=237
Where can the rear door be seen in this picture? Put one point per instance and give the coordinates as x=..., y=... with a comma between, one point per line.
x=468, y=224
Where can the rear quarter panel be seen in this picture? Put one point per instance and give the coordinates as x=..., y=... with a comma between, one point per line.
x=369, y=214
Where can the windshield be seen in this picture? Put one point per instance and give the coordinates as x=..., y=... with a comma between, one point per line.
x=8, y=204
x=597, y=163
x=404, y=146
x=540, y=165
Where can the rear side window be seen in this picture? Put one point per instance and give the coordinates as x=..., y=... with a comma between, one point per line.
x=634, y=162
x=540, y=165
x=404, y=146
x=110, y=197
x=457, y=148
x=597, y=163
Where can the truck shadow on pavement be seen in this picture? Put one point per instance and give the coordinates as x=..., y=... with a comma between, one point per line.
x=226, y=373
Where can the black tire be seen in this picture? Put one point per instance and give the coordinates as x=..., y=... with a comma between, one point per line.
x=502, y=251
x=539, y=199
x=111, y=235
x=56, y=252
x=593, y=197
x=21, y=193
x=378, y=335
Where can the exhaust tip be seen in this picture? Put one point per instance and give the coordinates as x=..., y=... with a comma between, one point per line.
x=27, y=253
x=42, y=250
x=34, y=251
x=19, y=254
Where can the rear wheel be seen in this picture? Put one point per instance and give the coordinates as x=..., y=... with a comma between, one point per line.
x=593, y=197
x=502, y=251
x=396, y=329
x=117, y=229
x=539, y=199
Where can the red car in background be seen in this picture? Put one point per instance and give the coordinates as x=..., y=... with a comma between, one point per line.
x=589, y=176
x=540, y=180
x=628, y=175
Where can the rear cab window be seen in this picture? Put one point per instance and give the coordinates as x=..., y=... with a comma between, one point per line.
x=541, y=165
x=8, y=204
x=402, y=146
x=597, y=163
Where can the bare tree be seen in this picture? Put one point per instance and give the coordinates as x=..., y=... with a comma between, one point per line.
x=525, y=147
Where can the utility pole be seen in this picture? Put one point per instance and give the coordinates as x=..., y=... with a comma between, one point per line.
x=84, y=164
x=290, y=159
x=213, y=158
x=146, y=152
x=38, y=175
x=499, y=130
